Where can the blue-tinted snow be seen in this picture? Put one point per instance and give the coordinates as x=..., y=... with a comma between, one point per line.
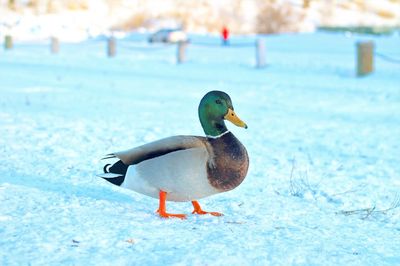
x=322, y=144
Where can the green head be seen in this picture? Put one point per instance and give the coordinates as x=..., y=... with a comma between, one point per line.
x=214, y=108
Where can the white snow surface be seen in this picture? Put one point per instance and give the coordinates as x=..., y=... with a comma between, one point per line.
x=321, y=142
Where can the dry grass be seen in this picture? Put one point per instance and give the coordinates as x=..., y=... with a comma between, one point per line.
x=193, y=16
x=76, y=4
x=279, y=17
x=134, y=22
x=388, y=14
x=366, y=213
x=240, y=16
x=204, y=15
x=53, y=6
x=300, y=185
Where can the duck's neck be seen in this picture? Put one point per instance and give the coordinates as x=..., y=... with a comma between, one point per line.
x=213, y=128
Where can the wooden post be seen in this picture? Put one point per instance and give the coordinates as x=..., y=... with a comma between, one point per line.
x=306, y=3
x=260, y=53
x=8, y=42
x=111, y=47
x=55, y=45
x=365, y=58
x=180, y=54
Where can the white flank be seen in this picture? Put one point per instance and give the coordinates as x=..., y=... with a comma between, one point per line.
x=182, y=174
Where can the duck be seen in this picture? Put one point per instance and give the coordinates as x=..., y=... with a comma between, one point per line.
x=186, y=168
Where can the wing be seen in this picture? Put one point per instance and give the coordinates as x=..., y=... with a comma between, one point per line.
x=158, y=148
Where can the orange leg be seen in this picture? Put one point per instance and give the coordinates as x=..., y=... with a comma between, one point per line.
x=198, y=210
x=162, y=209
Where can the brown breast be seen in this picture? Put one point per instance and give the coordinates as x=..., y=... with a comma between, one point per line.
x=228, y=167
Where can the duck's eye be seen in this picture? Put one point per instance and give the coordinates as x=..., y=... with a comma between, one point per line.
x=218, y=101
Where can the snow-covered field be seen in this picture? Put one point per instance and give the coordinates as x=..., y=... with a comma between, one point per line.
x=322, y=145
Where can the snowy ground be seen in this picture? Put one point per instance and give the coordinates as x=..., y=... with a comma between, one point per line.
x=322, y=143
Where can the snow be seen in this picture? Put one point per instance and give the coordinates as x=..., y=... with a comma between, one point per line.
x=322, y=145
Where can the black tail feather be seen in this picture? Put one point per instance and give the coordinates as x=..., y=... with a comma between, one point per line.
x=109, y=156
x=116, y=180
x=118, y=168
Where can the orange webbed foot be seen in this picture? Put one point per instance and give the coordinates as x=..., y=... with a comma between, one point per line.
x=171, y=215
x=203, y=212
x=198, y=210
x=162, y=208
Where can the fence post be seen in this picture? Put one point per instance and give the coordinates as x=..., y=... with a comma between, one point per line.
x=55, y=45
x=260, y=53
x=180, y=54
x=8, y=42
x=111, y=47
x=365, y=58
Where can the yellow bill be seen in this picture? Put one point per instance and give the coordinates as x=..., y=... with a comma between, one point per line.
x=232, y=117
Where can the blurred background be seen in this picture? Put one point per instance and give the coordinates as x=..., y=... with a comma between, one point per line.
x=78, y=19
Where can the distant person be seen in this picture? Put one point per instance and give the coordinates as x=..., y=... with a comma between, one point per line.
x=225, y=36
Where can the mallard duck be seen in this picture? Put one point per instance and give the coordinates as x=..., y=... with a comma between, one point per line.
x=186, y=168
